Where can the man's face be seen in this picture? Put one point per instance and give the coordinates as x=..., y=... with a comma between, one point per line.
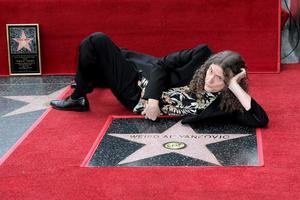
x=214, y=79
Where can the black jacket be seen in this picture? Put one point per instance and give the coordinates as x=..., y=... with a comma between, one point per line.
x=177, y=69
x=173, y=70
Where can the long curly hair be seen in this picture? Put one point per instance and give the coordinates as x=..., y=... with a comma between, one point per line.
x=231, y=63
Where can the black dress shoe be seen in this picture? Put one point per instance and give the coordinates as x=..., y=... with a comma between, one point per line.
x=73, y=85
x=80, y=104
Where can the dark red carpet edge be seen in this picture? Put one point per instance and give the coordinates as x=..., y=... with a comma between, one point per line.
x=47, y=164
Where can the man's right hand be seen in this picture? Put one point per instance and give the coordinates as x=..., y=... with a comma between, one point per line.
x=151, y=110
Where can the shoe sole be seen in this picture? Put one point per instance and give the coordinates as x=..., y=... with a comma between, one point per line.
x=72, y=109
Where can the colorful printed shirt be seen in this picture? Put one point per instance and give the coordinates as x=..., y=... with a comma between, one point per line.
x=176, y=101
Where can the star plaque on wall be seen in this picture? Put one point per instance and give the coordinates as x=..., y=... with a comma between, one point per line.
x=23, y=49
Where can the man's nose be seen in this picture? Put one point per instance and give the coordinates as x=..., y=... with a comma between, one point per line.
x=211, y=79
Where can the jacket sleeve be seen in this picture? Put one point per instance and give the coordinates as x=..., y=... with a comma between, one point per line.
x=211, y=113
x=255, y=117
x=160, y=73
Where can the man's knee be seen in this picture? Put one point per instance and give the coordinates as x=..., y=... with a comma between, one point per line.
x=97, y=38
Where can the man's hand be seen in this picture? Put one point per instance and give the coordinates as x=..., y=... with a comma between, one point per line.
x=238, y=77
x=238, y=91
x=151, y=110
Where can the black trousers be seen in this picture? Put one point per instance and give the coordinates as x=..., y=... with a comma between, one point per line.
x=100, y=63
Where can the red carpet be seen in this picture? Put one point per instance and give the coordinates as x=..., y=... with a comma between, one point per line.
x=47, y=164
x=154, y=27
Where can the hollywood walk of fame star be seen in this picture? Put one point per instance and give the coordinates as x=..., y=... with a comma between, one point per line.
x=179, y=138
x=35, y=102
x=23, y=41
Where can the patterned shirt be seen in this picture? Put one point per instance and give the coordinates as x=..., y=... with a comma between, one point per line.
x=176, y=101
